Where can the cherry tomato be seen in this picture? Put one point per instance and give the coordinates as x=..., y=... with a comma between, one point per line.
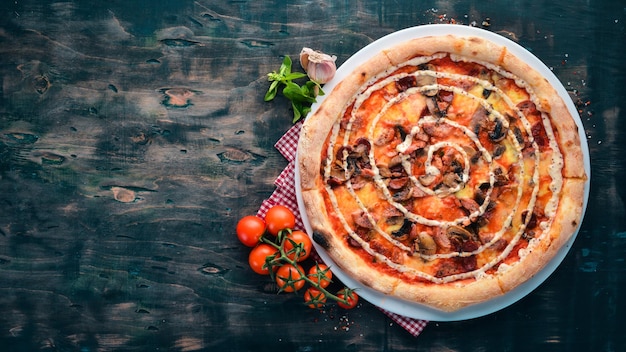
x=298, y=238
x=278, y=218
x=321, y=274
x=250, y=229
x=257, y=256
x=289, y=279
x=350, y=296
x=314, y=298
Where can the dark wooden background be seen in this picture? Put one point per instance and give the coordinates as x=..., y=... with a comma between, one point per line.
x=133, y=136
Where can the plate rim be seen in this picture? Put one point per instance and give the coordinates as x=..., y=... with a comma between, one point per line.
x=416, y=310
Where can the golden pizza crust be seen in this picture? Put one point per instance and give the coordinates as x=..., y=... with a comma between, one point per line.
x=564, y=225
x=453, y=295
x=568, y=139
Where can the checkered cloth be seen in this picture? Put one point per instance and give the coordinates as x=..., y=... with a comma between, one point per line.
x=285, y=194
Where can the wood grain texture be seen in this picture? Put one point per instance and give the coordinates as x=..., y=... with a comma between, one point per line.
x=133, y=135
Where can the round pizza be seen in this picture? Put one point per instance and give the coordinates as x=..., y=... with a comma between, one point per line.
x=444, y=171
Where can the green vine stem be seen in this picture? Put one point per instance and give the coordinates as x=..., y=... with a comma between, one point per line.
x=283, y=257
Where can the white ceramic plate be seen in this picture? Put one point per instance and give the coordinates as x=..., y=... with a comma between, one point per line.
x=411, y=309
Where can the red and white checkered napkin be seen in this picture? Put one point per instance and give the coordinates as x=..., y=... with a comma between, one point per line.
x=285, y=194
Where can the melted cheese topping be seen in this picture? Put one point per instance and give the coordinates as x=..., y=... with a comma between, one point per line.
x=481, y=144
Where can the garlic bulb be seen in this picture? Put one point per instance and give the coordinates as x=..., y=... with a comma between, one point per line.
x=319, y=67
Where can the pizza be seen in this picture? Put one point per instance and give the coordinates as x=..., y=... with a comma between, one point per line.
x=444, y=171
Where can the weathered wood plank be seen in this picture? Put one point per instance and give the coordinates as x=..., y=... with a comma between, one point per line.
x=133, y=135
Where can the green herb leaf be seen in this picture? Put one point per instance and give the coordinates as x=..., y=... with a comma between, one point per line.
x=292, y=91
x=296, y=93
x=294, y=75
x=304, y=111
x=301, y=97
x=285, y=68
x=315, y=87
x=271, y=92
x=297, y=114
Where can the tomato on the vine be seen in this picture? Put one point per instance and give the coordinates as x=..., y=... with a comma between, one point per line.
x=298, y=238
x=349, y=296
x=320, y=274
x=278, y=218
x=257, y=258
x=250, y=229
x=314, y=298
x=288, y=278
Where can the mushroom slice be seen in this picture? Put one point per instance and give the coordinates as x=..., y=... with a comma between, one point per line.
x=395, y=161
x=383, y=171
x=403, y=194
x=479, y=120
x=339, y=174
x=427, y=179
x=427, y=80
x=497, y=130
x=459, y=232
x=425, y=244
x=451, y=179
x=498, y=151
x=402, y=233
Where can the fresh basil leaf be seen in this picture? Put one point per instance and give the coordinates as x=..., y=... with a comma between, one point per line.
x=308, y=90
x=295, y=93
x=296, y=111
x=315, y=87
x=292, y=91
x=285, y=68
x=270, y=95
x=294, y=75
x=271, y=92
